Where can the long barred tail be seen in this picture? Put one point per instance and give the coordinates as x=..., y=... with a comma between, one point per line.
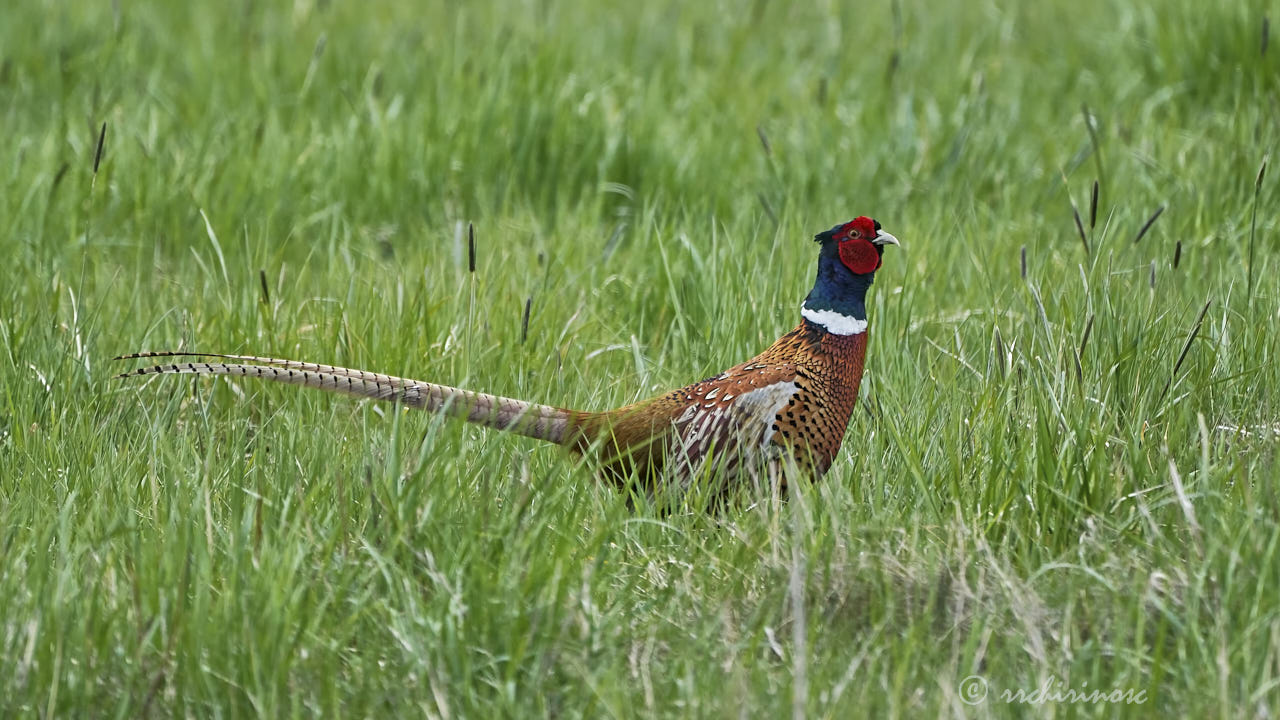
x=541, y=422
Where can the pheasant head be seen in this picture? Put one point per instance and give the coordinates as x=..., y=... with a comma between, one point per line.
x=850, y=255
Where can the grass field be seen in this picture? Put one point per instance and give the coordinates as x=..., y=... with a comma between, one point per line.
x=1062, y=474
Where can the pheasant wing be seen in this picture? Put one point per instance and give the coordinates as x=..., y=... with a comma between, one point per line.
x=740, y=419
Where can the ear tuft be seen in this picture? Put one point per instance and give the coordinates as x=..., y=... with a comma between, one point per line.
x=828, y=235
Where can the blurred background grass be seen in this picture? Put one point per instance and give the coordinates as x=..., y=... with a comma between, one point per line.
x=1020, y=496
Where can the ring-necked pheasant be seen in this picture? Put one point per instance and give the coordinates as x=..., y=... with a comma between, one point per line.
x=795, y=398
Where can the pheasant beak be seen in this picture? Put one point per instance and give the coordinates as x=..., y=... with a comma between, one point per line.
x=884, y=238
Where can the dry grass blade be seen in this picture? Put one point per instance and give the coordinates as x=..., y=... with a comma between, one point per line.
x=1084, y=239
x=471, y=247
x=1186, y=348
x=1147, y=225
x=97, y=153
x=1093, y=207
x=999, y=353
x=1088, y=329
x=524, y=322
x=1253, y=223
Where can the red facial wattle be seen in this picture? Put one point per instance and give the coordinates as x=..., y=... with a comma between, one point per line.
x=859, y=255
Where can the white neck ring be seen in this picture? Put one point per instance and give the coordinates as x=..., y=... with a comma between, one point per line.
x=834, y=322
